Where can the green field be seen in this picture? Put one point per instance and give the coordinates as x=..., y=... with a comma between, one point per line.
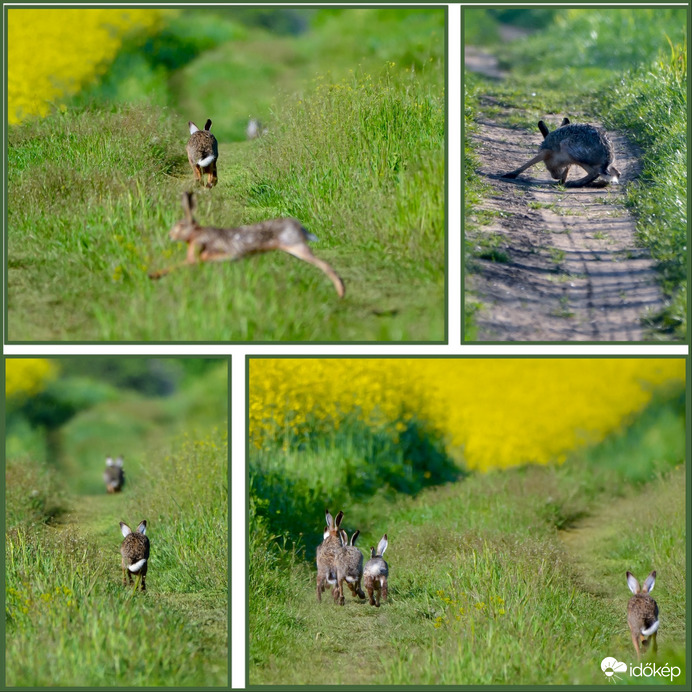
x=68, y=619
x=625, y=68
x=354, y=103
x=507, y=577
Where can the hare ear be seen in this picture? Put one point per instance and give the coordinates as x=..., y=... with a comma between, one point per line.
x=372, y=551
x=208, y=125
x=109, y=461
x=355, y=535
x=649, y=583
x=382, y=545
x=125, y=529
x=329, y=518
x=544, y=130
x=193, y=127
x=565, y=121
x=119, y=462
x=632, y=583
x=188, y=205
x=339, y=518
x=343, y=537
x=142, y=528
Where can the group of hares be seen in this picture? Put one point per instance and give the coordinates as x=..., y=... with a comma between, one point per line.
x=215, y=244
x=135, y=546
x=339, y=562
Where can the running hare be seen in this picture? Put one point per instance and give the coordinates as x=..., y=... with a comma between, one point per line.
x=114, y=476
x=202, y=153
x=349, y=566
x=574, y=145
x=376, y=572
x=135, y=552
x=642, y=613
x=218, y=244
x=327, y=553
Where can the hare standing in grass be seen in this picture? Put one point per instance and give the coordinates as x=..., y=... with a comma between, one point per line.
x=642, y=613
x=218, y=244
x=114, y=476
x=349, y=566
x=375, y=572
x=203, y=153
x=135, y=552
x=327, y=553
x=574, y=145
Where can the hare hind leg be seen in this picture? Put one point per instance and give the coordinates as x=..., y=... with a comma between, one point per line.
x=212, y=178
x=304, y=253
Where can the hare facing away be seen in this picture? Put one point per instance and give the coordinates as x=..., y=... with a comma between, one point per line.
x=327, y=553
x=218, y=244
x=574, y=145
x=375, y=573
x=113, y=475
x=642, y=613
x=135, y=552
x=203, y=153
x=349, y=566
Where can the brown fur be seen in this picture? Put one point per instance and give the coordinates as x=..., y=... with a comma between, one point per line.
x=376, y=572
x=135, y=547
x=201, y=145
x=642, y=613
x=349, y=566
x=217, y=244
x=113, y=475
x=326, y=556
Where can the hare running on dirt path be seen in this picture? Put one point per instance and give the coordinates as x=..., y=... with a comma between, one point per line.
x=113, y=475
x=642, y=613
x=135, y=552
x=574, y=145
x=203, y=153
x=218, y=244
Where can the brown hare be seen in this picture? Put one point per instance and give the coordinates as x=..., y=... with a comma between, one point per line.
x=135, y=552
x=218, y=244
x=327, y=553
x=349, y=566
x=642, y=613
x=203, y=153
x=113, y=475
x=574, y=145
x=375, y=573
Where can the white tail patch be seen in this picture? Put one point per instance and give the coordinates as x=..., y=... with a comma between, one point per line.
x=137, y=566
x=648, y=632
x=205, y=162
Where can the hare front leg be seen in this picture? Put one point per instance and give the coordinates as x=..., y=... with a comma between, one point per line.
x=536, y=159
x=304, y=253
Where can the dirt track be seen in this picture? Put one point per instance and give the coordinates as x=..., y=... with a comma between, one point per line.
x=573, y=270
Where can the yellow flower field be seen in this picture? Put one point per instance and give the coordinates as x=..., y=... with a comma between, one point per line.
x=53, y=53
x=497, y=412
x=27, y=376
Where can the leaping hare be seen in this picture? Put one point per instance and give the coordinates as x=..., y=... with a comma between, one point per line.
x=135, y=552
x=349, y=566
x=327, y=553
x=642, y=613
x=375, y=573
x=113, y=475
x=218, y=244
x=203, y=153
x=574, y=145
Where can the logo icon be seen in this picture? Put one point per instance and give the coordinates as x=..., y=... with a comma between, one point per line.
x=611, y=666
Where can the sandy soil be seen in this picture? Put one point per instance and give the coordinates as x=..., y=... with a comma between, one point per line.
x=574, y=271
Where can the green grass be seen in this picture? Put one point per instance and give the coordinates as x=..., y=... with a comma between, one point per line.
x=69, y=621
x=355, y=150
x=510, y=577
x=628, y=69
